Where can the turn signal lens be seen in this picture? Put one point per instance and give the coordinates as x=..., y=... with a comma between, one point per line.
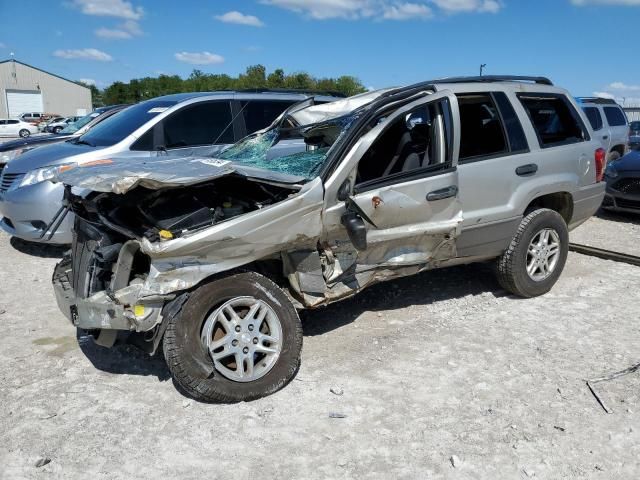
x=601, y=160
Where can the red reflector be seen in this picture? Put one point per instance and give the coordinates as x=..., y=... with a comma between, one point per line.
x=601, y=160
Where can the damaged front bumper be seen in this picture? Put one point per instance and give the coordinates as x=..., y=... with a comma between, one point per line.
x=121, y=310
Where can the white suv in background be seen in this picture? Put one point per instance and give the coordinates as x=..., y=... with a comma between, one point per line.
x=609, y=123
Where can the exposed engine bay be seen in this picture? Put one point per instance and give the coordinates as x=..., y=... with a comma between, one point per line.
x=172, y=212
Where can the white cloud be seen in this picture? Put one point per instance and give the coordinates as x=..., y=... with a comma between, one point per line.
x=407, y=11
x=109, y=8
x=604, y=95
x=84, y=54
x=240, y=19
x=199, y=58
x=383, y=9
x=459, y=6
x=626, y=3
x=325, y=9
x=124, y=31
x=623, y=87
x=87, y=81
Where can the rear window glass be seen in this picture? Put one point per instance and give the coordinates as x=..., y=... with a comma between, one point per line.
x=515, y=133
x=259, y=114
x=615, y=116
x=116, y=128
x=595, y=119
x=481, y=132
x=555, y=121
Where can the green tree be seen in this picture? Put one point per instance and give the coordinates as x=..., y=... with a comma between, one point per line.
x=255, y=76
x=276, y=79
x=96, y=94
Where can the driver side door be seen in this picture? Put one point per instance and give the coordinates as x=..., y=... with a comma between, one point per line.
x=392, y=206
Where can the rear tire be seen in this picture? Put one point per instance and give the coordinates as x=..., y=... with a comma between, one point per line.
x=613, y=156
x=24, y=133
x=219, y=313
x=531, y=266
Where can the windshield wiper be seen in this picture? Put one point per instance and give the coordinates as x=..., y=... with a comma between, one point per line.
x=82, y=142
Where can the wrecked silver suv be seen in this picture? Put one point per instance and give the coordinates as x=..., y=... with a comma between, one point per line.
x=212, y=258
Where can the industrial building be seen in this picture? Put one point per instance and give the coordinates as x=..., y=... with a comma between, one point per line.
x=24, y=88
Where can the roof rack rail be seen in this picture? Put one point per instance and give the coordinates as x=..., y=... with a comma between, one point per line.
x=598, y=100
x=496, y=78
x=292, y=90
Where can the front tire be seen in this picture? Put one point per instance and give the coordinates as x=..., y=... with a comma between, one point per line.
x=536, y=256
x=244, y=329
x=24, y=133
x=57, y=130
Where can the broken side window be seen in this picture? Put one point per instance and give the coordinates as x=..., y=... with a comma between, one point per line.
x=410, y=143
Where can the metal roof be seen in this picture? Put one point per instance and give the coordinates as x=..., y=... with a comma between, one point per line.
x=43, y=71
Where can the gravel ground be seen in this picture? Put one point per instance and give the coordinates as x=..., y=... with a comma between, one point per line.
x=612, y=231
x=442, y=375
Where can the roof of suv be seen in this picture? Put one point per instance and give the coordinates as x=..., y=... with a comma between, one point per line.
x=596, y=100
x=256, y=94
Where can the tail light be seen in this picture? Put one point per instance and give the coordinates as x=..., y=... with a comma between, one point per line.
x=601, y=161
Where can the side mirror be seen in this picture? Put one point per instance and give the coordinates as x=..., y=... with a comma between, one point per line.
x=344, y=191
x=355, y=228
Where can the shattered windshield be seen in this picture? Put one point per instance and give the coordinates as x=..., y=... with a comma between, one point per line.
x=298, y=151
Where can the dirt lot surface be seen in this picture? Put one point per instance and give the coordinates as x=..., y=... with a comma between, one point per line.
x=442, y=375
x=611, y=231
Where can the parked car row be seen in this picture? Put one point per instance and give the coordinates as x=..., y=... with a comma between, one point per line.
x=58, y=124
x=13, y=149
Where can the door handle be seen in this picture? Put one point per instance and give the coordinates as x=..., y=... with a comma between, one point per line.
x=605, y=137
x=443, y=193
x=525, y=170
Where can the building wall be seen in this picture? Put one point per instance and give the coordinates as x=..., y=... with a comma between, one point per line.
x=59, y=96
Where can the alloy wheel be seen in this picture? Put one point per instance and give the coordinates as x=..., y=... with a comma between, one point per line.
x=543, y=254
x=244, y=338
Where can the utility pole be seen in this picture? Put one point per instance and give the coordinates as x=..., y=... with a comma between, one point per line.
x=482, y=66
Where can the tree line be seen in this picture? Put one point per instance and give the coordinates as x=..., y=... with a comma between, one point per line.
x=255, y=77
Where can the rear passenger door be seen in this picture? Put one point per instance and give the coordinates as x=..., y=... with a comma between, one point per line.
x=493, y=146
x=561, y=141
x=601, y=132
x=618, y=126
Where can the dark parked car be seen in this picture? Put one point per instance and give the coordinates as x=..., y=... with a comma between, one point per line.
x=634, y=135
x=623, y=184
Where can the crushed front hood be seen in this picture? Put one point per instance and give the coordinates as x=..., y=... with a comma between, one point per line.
x=120, y=175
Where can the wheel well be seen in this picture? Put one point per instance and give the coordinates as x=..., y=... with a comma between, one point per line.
x=619, y=149
x=561, y=202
